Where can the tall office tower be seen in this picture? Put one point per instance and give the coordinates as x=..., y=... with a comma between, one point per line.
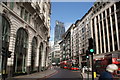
x=59, y=31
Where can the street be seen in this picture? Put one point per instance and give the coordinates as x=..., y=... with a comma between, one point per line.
x=65, y=73
x=47, y=40
x=56, y=74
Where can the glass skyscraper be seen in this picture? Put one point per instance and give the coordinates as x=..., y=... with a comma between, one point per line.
x=59, y=31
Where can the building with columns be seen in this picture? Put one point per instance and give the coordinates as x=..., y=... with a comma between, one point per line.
x=25, y=33
x=102, y=23
x=105, y=27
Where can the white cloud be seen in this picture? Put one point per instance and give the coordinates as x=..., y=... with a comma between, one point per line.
x=67, y=25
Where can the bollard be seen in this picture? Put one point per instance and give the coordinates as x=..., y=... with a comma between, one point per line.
x=83, y=70
x=94, y=74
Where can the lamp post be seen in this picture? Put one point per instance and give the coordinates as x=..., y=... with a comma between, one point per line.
x=0, y=45
x=91, y=51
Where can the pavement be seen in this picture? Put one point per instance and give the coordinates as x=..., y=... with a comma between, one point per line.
x=47, y=74
x=35, y=76
x=87, y=75
x=0, y=76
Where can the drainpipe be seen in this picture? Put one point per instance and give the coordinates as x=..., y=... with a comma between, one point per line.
x=0, y=42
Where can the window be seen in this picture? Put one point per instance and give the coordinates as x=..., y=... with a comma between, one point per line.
x=117, y=5
x=22, y=12
x=108, y=11
x=104, y=14
x=100, y=17
x=29, y=18
x=5, y=30
x=33, y=54
x=97, y=19
x=118, y=18
x=26, y=16
x=21, y=47
x=11, y=5
x=112, y=8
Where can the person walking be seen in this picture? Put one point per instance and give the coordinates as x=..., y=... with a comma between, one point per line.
x=108, y=73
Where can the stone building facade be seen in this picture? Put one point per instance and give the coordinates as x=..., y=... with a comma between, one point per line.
x=84, y=30
x=25, y=33
x=105, y=27
x=75, y=40
x=101, y=23
x=66, y=45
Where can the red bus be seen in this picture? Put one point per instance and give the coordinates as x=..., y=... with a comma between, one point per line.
x=71, y=64
x=101, y=63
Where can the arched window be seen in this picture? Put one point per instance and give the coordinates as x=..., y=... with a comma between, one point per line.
x=21, y=47
x=40, y=55
x=46, y=56
x=5, y=31
x=33, y=54
x=5, y=41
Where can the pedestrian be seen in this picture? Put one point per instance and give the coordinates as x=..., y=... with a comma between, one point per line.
x=108, y=73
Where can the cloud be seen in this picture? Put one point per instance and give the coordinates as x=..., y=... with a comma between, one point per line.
x=67, y=25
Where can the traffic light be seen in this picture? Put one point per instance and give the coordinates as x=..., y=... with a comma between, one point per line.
x=90, y=47
x=6, y=52
x=9, y=54
x=3, y=51
x=87, y=54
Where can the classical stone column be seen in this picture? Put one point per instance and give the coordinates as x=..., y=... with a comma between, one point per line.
x=43, y=57
x=28, y=69
x=111, y=24
x=116, y=25
x=37, y=58
x=107, y=32
x=10, y=61
x=100, y=34
x=96, y=36
x=103, y=33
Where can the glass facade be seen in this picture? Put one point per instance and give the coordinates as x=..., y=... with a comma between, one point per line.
x=33, y=54
x=21, y=48
x=59, y=31
x=5, y=43
x=40, y=55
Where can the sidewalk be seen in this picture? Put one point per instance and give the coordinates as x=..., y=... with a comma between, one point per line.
x=35, y=76
x=85, y=76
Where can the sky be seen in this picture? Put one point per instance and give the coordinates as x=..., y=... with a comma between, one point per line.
x=68, y=13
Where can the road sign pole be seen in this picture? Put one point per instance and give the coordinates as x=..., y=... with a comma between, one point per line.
x=92, y=67
x=88, y=67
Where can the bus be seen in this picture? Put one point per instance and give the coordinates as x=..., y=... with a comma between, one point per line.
x=101, y=63
x=71, y=64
